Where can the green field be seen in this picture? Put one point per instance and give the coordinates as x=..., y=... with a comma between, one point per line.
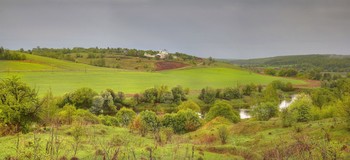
x=64, y=76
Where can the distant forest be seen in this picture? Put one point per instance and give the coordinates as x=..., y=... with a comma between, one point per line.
x=66, y=53
x=329, y=63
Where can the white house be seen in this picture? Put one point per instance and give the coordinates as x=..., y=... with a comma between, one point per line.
x=162, y=54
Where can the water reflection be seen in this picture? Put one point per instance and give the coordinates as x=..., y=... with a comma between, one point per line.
x=244, y=113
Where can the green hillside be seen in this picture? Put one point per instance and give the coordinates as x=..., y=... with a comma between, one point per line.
x=64, y=76
x=335, y=63
x=39, y=63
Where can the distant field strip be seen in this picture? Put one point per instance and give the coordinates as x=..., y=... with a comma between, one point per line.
x=61, y=82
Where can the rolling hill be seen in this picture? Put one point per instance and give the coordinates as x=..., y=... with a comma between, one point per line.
x=64, y=76
x=333, y=63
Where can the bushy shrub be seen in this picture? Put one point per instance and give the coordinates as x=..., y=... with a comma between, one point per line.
x=264, y=111
x=287, y=118
x=322, y=96
x=19, y=105
x=168, y=133
x=189, y=105
x=168, y=120
x=186, y=121
x=208, y=95
x=179, y=94
x=231, y=93
x=125, y=116
x=302, y=108
x=138, y=125
x=223, y=134
x=86, y=116
x=109, y=120
x=345, y=108
x=81, y=98
x=150, y=120
x=67, y=113
x=223, y=109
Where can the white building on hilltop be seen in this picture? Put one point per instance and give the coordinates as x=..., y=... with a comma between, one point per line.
x=161, y=54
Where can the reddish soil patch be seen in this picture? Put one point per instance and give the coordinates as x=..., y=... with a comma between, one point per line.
x=310, y=84
x=166, y=65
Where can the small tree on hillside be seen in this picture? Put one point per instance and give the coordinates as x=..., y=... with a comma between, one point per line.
x=189, y=105
x=265, y=111
x=125, y=116
x=208, y=95
x=186, y=121
x=223, y=134
x=150, y=120
x=302, y=108
x=19, y=105
x=82, y=98
x=223, y=109
x=179, y=94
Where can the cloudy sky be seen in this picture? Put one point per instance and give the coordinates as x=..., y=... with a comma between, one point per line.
x=218, y=28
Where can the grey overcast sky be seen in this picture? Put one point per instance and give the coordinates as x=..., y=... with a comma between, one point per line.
x=217, y=28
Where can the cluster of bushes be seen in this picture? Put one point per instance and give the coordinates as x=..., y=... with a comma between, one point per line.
x=162, y=95
x=309, y=73
x=284, y=72
x=6, y=55
x=20, y=106
x=107, y=102
x=245, y=96
x=209, y=95
x=318, y=104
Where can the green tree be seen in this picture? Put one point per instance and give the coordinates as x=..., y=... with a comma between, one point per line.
x=150, y=95
x=231, y=93
x=81, y=98
x=125, y=116
x=207, y=95
x=270, y=94
x=223, y=134
x=189, y=105
x=108, y=106
x=49, y=108
x=223, y=109
x=67, y=114
x=168, y=120
x=150, y=120
x=264, y=111
x=186, y=121
x=97, y=104
x=287, y=117
x=322, y=96
x=179, y=94
x=19, y=105
x=345, y=109
x=270, y=71
x=302, y=108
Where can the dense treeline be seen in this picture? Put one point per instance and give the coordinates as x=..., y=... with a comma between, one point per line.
x=7, y=55
x=330, y=63
x=71, y=54
x=315, y=67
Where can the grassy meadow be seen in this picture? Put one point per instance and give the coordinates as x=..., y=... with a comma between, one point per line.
x=247, y=140
x=63, y=76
